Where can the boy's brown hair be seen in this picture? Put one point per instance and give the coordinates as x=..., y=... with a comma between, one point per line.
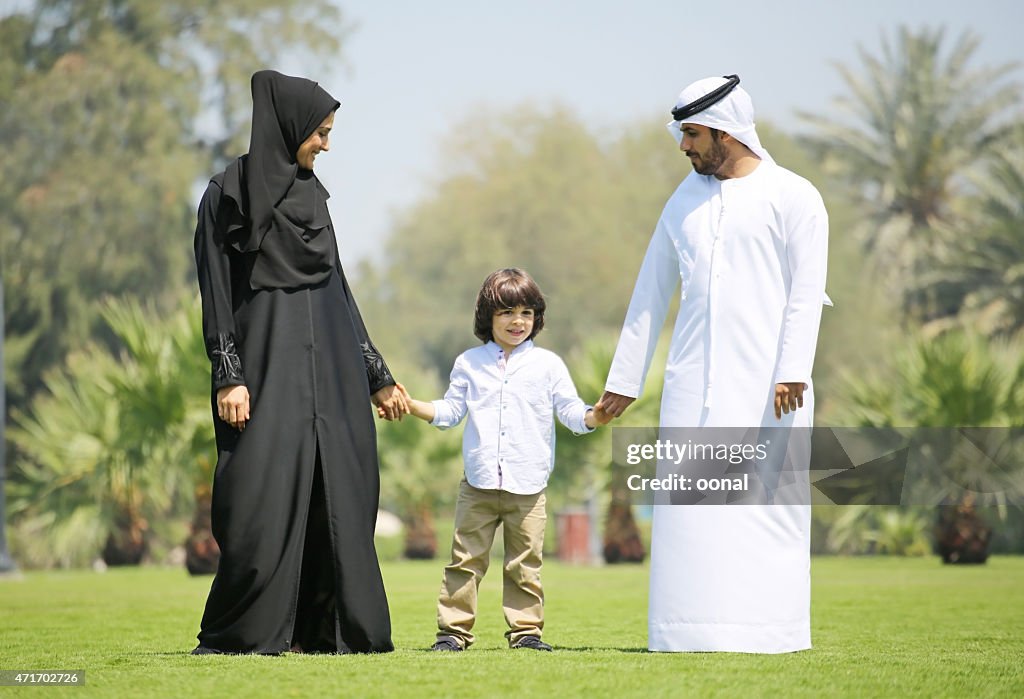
x=507, y=288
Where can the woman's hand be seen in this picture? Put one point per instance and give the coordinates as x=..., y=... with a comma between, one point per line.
x=233, y=406
x=392, y=402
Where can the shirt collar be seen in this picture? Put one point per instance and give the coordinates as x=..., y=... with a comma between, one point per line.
x=523, y=348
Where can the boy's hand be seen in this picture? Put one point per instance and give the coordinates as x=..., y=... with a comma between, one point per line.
x=418, y=408
x=596, y=417
x=602, y=416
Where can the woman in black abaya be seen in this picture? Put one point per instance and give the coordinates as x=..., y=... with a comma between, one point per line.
x=296, y=487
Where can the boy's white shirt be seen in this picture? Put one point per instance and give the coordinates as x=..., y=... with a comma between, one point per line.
x=509, y=440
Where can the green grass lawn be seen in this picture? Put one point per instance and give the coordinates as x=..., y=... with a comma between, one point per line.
x=881, y=627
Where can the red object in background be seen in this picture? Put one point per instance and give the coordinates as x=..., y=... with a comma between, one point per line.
x=573, y=536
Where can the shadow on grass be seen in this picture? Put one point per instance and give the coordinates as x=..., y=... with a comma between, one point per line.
x=590, y=649
x=557, y=649
x=420, y=650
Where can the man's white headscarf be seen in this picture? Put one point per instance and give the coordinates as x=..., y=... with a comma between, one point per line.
x=733, y=114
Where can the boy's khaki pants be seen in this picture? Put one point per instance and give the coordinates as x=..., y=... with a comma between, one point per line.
x=477, y=514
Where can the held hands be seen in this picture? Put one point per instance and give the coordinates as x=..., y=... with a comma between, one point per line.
x=788, y=397
x=392, y=402
x=613, y=404
x=233, y=406
x=399, y=389
x=417, y=408
x=596, y=417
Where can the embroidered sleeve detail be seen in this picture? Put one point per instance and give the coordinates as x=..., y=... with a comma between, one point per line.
x=377, y=371
x=227, y=365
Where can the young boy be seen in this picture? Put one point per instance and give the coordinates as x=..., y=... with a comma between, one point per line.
x=508, y=387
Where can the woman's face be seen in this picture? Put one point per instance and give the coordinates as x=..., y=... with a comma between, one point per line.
x=317, y=142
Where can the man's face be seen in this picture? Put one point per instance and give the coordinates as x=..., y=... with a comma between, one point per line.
x=703, y=147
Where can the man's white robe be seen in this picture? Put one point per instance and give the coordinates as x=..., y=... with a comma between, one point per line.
x=751, y=255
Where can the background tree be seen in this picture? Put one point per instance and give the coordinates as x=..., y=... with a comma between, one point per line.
x=113, y=110
x=917, y=119
x=953, y=381
x=979, y=271
x=870, y=529
x=112, y=450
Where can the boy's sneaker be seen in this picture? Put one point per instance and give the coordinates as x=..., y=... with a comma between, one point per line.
x=446, y=643
x=533, y=643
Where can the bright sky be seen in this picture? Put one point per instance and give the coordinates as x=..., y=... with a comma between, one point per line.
x=412, y=68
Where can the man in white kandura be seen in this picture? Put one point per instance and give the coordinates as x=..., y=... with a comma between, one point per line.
x=748, y=239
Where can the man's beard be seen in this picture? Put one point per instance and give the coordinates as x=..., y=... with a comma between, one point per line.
x=712, y=161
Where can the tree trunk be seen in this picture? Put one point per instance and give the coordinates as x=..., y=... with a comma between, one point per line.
x=622, y=542
x=128, y=541
x=961, y=535
x=420, y=536
x=201, y=551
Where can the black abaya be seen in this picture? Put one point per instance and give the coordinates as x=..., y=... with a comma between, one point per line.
x=295, y=493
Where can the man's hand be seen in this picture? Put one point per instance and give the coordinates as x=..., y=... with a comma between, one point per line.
x=233, y=406
x=788, y=397
x=613, y=403
x=392, y=403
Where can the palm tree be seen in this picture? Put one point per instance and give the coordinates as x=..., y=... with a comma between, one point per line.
x=72, y=486
x=111, y=449
x=165, y=396
x=916, y=120
x=868, y=529
x=953, y=381
x=980, y=274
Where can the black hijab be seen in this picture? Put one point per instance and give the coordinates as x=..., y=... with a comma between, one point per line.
x=283, y=209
